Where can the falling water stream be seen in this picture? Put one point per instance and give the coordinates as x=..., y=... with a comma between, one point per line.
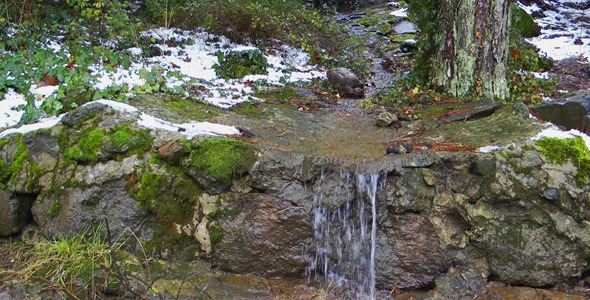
x=345, y=238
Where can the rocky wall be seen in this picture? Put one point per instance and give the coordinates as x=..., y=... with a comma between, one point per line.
x=509, y=216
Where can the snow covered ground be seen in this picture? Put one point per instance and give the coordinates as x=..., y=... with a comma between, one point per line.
x=194, y=61
x=564, y=28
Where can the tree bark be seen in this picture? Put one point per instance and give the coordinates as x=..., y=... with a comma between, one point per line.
x=470, y=47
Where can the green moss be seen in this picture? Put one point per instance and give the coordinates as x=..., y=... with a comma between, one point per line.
x=125, y=141
x=223, y=158
x=279, y=94
x=4, y=142
x=215, y=232
x=249, y=109
x=193, y=110
x=20, y=157
x=402, y=38
x=560, y=151
x=54, y=209
x=384, y=28
x=119, y=142
x=523, y=23
x=370, y=19
x=171, y=196
x=86, y=151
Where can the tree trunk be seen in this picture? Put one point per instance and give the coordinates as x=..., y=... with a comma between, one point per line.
x=470, y=47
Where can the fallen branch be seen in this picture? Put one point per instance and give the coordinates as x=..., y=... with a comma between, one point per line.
x=289, y=208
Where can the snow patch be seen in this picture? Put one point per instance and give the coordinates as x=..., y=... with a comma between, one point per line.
x=400, y=13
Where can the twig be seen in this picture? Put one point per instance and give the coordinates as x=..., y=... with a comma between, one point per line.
x=122, y=278
x=289, y=208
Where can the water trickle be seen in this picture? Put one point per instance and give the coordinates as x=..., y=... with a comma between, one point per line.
x=345, y=239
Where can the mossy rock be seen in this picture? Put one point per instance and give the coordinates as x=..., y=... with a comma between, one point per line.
x=101, y=144
x=560, y=151
x=523, y=23
x=214, y=163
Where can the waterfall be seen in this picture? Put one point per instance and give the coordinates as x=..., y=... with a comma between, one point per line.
x=345, y=239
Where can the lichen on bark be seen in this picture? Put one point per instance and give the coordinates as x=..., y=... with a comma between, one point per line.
x=464, y=46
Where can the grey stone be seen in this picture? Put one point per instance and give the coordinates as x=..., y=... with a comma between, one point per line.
x=478, y=109
x=419, y=160
x=80, y=113
x=4, y=295
x=484, y=165
x=404, y=27
x=409, y=253
x=568, y=114
x=75, y=208
x=386, y=119
x=521, y=109
x=531, y=159
x=551, y=194
x=40, y=143
x=585, y=124
x=344, y=80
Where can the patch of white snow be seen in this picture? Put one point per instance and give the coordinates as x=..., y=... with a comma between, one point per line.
x=400, y=13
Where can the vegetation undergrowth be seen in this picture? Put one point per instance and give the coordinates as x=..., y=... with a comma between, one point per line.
x=77, y=267
x=237, y=64
x=99, y=32
x=560, y=151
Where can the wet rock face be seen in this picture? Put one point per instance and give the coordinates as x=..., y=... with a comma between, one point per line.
x=263, y=235
x=409, y=253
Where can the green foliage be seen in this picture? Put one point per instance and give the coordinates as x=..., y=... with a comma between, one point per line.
x=400, y=99
x=560, y=151
x=237, y=64
x=529, y=89
x=524, y=56
x=423, y=13
x=259, y=22
x=223, y=158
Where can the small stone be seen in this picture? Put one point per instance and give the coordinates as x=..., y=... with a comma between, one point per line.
x=521, y=109
x=386, y=119
x=171, y=151
x=396, y=150
x=408, y=148
x=551, y=194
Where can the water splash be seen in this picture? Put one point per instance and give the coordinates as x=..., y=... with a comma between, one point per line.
x=345, y=239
